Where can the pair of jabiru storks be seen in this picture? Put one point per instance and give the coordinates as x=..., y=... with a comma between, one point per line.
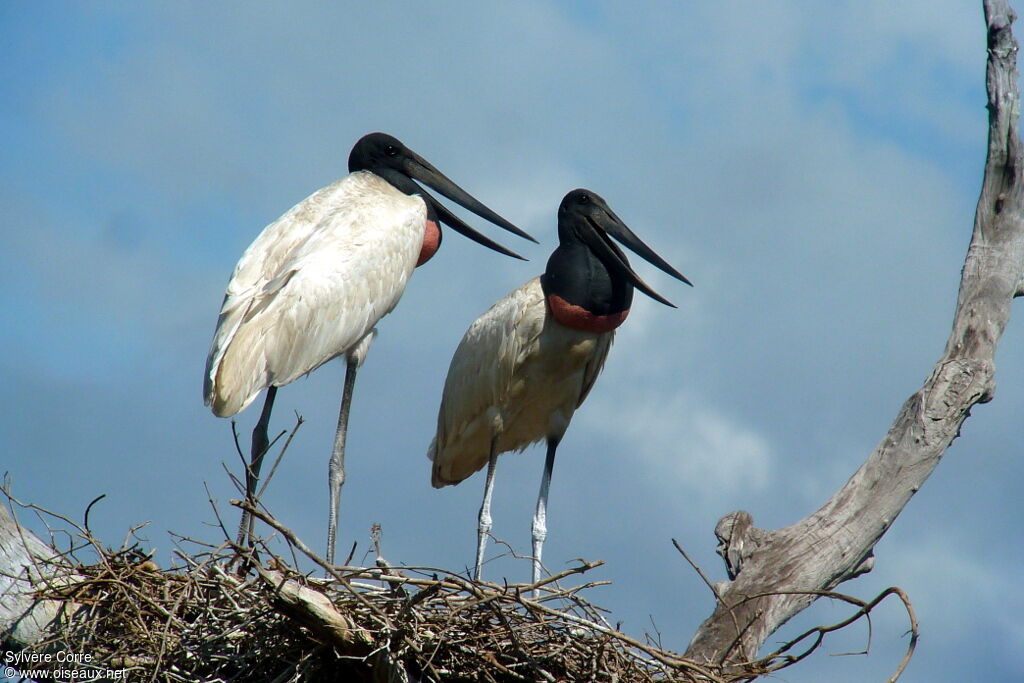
x=315, y=282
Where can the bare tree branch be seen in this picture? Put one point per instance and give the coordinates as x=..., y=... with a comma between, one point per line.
x=24, y=618
x=835, y=543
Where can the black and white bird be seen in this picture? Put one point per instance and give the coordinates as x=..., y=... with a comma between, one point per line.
x=314, y=283
x=525, y=366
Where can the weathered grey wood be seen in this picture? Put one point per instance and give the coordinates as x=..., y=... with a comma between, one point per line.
x=23, y=619
x=835, y=543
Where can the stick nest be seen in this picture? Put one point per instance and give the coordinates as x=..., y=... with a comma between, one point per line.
x=231, y=614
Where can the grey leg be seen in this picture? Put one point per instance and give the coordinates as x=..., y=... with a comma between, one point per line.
x=260, y=444
x=336, y=467
x=484, y=526
x=540, y=527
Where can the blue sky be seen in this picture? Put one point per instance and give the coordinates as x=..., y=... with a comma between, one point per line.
x=813, y=169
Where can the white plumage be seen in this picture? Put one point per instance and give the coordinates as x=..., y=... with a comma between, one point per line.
x=311, y=286
x=518, y=374
x=525, y=366
x=314, y=283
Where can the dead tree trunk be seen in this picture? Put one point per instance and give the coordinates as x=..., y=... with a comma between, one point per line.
x=836, y=542
x=24, y=619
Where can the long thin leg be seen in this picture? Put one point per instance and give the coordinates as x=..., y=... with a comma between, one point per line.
x=540, y=527
x=260, y=444
x=336, y=467
x=484, y=526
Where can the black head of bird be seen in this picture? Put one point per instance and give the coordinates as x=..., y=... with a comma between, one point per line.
x=386, y=156
x=588, y=269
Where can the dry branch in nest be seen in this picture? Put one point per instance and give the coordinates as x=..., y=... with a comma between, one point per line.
x=245, y=614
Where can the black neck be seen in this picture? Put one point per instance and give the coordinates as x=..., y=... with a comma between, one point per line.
x=575, y=274
x=399, y=181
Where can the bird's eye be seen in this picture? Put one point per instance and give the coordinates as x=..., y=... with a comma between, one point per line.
x=584, y=198
x=391, y=150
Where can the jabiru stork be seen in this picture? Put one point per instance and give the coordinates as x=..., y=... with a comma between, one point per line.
x=525, y=366
x=314, y=283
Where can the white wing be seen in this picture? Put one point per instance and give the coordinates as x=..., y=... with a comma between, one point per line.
x=595, y=365
x=517, y=374
x=311, y=286
x=480, y=381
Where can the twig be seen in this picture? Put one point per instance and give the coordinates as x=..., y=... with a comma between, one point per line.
x=700, y=572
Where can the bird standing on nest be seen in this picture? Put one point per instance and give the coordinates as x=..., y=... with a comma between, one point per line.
x=316, y=281
x=525, y=366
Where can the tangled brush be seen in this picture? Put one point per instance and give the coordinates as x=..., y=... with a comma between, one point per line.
x=234, y=612
x=229, y=613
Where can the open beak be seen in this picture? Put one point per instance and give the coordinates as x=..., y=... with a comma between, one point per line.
x=420, y=169
x=607, y=223
x=450, y=219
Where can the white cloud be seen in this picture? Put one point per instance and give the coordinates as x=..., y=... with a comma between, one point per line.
x=957, y=595
x=681, y=443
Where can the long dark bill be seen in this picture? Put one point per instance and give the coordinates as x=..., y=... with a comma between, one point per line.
x=614, y=226
x=420, y=169
x=600, y=244
x=457, y=224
